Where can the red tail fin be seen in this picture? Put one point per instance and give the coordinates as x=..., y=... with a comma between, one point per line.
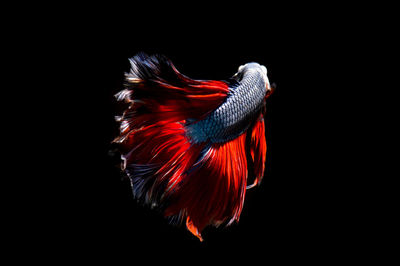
x=157, y=159
x=157, y=92
x=152, y=139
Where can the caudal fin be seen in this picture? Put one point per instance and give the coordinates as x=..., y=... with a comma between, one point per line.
x=159, y=93
x=155, y=151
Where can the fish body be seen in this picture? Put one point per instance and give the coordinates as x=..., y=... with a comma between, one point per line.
x=233, y=116
x=186, y=144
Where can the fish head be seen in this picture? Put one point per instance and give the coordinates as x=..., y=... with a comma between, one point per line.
x=255, y=67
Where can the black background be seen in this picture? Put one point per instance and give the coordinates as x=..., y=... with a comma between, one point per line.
x=302, y=208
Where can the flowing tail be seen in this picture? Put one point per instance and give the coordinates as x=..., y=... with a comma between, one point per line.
x=199, y=183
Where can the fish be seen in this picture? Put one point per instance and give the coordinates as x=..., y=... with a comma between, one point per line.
x=191, y=146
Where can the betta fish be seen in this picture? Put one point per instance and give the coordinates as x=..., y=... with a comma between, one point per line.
x=188, y=146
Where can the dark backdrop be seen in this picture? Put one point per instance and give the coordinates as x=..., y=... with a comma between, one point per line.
x=299, y=211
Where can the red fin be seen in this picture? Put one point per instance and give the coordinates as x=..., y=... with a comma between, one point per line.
x=258, y=150
x=152, y=139
x=214, y=191
x=155, y=158
x=157, y=92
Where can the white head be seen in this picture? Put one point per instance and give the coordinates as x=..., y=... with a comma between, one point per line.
x=250, y=67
